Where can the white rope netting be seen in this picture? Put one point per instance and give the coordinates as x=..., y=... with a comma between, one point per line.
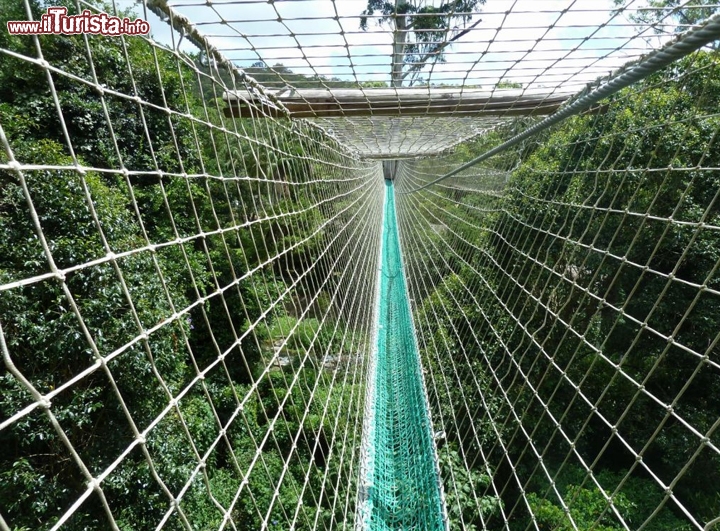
x=187, y=298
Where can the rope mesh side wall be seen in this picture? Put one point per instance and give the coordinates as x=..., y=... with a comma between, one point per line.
x=567, y=299
x=185, y=300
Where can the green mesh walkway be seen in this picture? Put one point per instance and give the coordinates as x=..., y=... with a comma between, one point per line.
x=401, y=487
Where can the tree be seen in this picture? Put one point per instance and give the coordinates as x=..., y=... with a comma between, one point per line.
x=421, y=33
x=373, y=84
x=660, y=12
x=508, y=85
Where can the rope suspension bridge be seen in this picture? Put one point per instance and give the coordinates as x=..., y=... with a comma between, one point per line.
x=362, y=265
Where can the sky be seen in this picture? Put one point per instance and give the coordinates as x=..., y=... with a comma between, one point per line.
x=543, y=43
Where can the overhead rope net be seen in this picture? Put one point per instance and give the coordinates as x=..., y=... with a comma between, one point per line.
x=361, y=265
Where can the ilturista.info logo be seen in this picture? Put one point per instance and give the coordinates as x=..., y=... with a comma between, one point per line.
x=57, y=21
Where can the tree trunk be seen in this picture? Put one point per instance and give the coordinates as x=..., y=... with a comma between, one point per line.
x=398, y=57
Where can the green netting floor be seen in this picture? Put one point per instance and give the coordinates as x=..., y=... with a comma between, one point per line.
x=401, y=487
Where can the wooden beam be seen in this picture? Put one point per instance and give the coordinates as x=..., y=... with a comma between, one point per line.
x=416, y=101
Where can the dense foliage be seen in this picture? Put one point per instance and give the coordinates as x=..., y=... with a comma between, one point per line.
x=144, y=184
x=557, y=297
x=124, y=177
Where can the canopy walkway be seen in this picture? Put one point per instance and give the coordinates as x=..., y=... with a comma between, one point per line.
x=400, y=488
x=361, y=265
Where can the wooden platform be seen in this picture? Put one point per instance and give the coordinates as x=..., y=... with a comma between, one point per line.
x=416, y=101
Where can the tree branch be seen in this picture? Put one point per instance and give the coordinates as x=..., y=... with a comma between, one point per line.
x=422, y=62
